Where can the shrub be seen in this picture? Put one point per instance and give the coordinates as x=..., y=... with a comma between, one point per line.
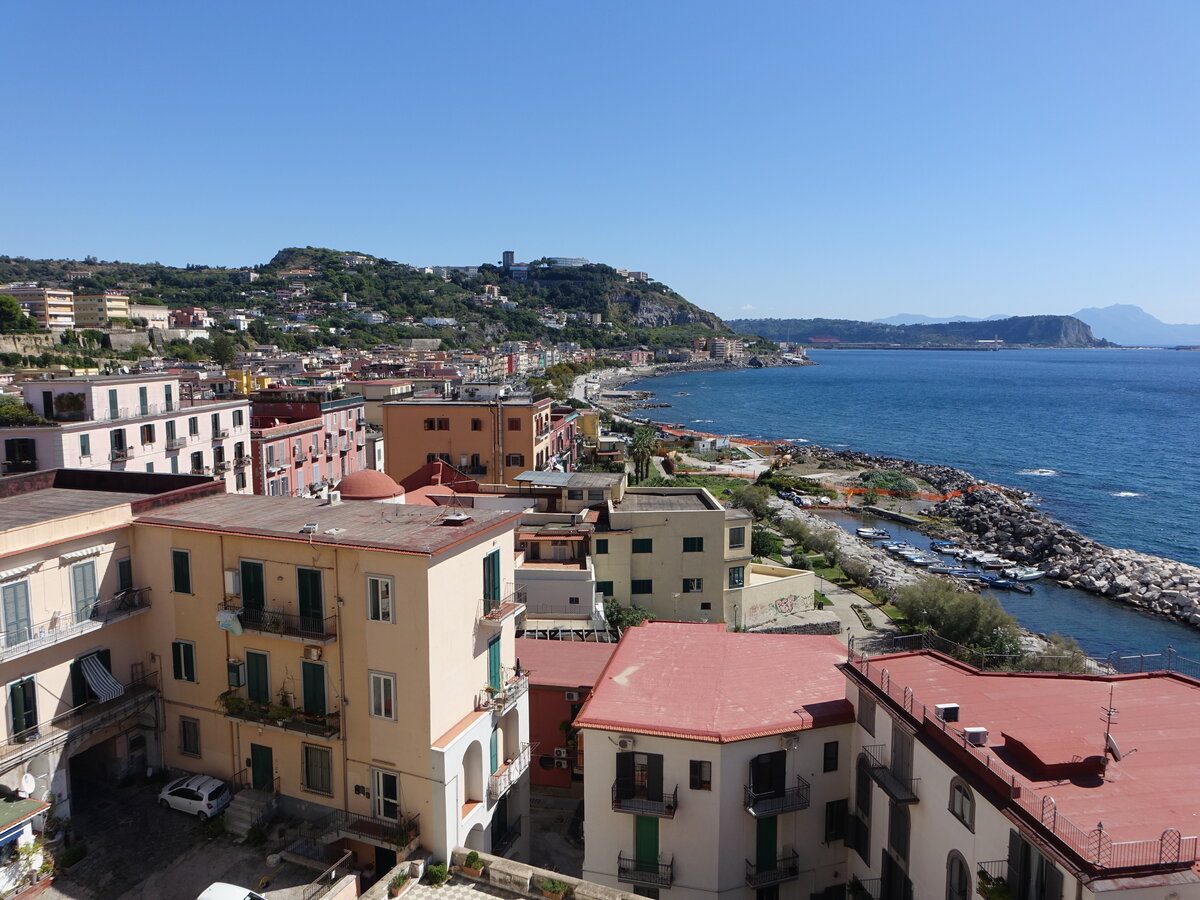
x=436, y=874
x=72, y=855
x=765, y=543
x=553, y=886
x=856, y=570
x=472, y=861
x=888, y=480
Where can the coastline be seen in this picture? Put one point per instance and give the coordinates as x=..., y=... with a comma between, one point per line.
x=995, y=518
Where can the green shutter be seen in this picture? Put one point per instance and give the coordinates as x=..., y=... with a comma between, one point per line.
x=493, y=652
x=313, y=678
x=253, y=585
x=181, y=567
x=258, y=687
x=495, y=750
x=646, y=843
x=183, y=659
x=83, y=589
x=766, y=838
x=312, y=607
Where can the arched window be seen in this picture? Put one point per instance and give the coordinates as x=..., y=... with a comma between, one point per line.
x=958, y=877
x=962, y=803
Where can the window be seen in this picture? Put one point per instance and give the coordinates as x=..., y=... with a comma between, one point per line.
x=705, y=605
x=958, y=877
x=198, y=462
x=168, y=398
x=258, y=674
x=643, y=545
x=835, y=820
x=83, y=589
x=194, y=426
x=862, y=788
x=149, y=467
x=143, y=401
x=239, y=480
x=174, y=465
x=85, y=445
x=866, y=712
x=189, y=736
x=215, y=420
x=239, y=418
x=601, y=545
x=700, y=775
x=383, y=695
x=605, y=588
x=181, y=571
x=693, y=545
x=515, y=459
x=737, y=576
x=316, y=769
x=595, y=494
x=443, y=424
x=1030, y=874
x=22, y=704
x=737, y=537
x=170, y=426
x=831, y=757
x=514, y=424
x=477, y=424
x=124, y=574
x=641, y=586
x=693, y=585
x=183, y=660
x=898, y=827
x=429, y=424
x=379, y=598
x=148, y=434
x=574, y=493
x=431, y=458
x=962, y=803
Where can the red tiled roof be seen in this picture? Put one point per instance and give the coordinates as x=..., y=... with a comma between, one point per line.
x=564, y=664
x=704, y=683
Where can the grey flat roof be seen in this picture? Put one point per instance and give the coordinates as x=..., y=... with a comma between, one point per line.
x=570, y=479
x=58, y=503
x=384, y=526
x=639, y=502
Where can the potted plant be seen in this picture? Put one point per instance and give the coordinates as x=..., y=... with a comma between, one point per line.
x=396, y=885
x=436, y=875
x=279, y=712
x=553, y=889
x=473, y=865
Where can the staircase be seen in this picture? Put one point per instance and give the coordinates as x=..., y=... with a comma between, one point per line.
x=248, y=808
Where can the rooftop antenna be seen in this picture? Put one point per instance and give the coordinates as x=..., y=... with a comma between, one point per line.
x=1111, y=713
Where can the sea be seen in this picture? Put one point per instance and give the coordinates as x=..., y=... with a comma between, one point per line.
x=1106, y=440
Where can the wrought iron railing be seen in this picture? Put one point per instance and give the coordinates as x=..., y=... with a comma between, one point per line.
x=243, y=780
x=21, y=639
x=899, y=787
x=325, y=725
x=512, y=686
x=320, y=885
x=652, y=874
x=397, y=833
x=496, y=610
x=785, y=868
x=627, y=798
x=772, y=803
x=267, y=620
x=510, y=773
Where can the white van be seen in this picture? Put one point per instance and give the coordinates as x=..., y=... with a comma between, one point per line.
x=219, y=890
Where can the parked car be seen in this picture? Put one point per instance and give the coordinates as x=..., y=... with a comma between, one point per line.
x=201, y=795
x=219, y=890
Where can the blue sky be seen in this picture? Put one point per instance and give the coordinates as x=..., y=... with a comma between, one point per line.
x=772, y=159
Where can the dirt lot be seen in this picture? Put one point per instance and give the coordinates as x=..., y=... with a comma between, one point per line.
x=138, y=851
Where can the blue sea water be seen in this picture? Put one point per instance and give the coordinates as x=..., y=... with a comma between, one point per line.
x=1107, y=439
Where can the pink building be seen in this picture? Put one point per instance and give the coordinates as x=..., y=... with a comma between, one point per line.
x=304, y=440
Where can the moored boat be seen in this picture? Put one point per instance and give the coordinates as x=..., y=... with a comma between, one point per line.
x=873, y=534
x=1023, y=573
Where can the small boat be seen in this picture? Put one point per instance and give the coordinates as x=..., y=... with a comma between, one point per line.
x=997, y=563
x=920, y=559
x=1001, y=584
x=873, y=534
x=1023, y=573
x=943, y=546
x=898, y=547
x=682, y=394
x=957, y=571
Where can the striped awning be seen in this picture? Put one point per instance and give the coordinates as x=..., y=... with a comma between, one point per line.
x=86, y=551
x=19, y=570
x=100, y=680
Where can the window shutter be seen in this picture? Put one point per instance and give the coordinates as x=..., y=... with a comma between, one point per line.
x=624, y=775
x=1052, y=881
x=1015, y=879
x=654, y=778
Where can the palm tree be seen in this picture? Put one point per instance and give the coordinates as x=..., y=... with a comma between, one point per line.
x=642, y=450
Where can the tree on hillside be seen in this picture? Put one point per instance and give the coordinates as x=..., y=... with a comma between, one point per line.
x=223, y=349
x=12, y=319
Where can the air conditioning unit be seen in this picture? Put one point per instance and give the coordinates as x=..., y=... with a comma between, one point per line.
x=947, y=712
x=625, y=742
x=976, y=737
x=572, y=696
x=309, y=528
x=561, y=764
x=313, y=653
x=560, y=752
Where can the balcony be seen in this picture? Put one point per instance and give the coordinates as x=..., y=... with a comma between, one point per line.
x=220, y=434
x=497, y=611
x=76, y=724
x=864, y=889
x=512, y=686
x=899, y=788
x=772, y=803
x=64, y=626
x=201, y=470
x=275, y=715
x=473, y=470
x=649, y=874
x=120, y=455
x=310, y=629
x=241, y=461
x=510, y=773
x=222, y=467
x=785, y=868
x=625, y=799
x=176, y=443
x=17, y=466
x=394, y=833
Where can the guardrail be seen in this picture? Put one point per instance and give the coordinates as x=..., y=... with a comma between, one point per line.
x=511, y=772
x=785, y=868
x=900, y=788
x=320, y=885
x=770, y=803
x=511, y=689
x=651, y=874
x=316, y=629
x=662, y=807
x=24, y=639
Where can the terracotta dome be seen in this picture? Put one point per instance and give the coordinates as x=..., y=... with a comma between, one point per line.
x=369, y=484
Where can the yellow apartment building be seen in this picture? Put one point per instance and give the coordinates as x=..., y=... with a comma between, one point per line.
x=99, y=310
x=50, y=308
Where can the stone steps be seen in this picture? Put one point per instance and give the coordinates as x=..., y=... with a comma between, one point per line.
x=249, y=808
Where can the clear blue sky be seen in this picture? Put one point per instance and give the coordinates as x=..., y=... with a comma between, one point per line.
x=801, y=158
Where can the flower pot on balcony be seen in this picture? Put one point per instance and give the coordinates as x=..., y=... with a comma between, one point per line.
x=474, y=873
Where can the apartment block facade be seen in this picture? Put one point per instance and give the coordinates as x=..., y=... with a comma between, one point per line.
x=304, y=440
x=51, y=308
x=101, y=310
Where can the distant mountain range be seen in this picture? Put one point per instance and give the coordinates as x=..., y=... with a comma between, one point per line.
x=918, y=319
x=1132, y=326
x=1026, y=331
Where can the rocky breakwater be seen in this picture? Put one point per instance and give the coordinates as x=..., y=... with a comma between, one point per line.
x=998, y=521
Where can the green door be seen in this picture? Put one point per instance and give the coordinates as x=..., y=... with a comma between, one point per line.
x=494, y=663
x=765, y=842
x=83, y=589
x=491, y=581
x=262, y=768
x=18, y=626
x=253, y=588
x=646, y=843
x=313, y=677
x=312, y=612
x=495, y=750
x=258, y=683
x=22, y=701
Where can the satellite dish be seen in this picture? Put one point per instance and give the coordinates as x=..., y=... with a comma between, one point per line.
x=28, y=784
x=1110, y=744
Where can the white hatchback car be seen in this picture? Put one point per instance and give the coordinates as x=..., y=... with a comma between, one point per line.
x=200, y=795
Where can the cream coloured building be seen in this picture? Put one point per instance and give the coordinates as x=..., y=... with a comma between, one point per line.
x=51, y=308
x=100, y=310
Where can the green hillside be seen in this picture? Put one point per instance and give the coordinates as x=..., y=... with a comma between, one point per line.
x=1035, y=331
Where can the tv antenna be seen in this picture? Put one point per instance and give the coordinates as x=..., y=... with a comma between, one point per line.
x=1111, y=714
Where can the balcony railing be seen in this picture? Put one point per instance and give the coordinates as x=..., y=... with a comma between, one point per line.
x=899, y=788
x=396, y=833
x=498, y=610
x=176, y=443
x=785, y=868
x=220, y=434
x=512, y=686
x=772, y=803
x=650, y=874
x=76, y=724
x=992, y=873
x=242, y=461
x=325, y=725
x=313, y=629
x=864, y=889
x=510, y=773
x=17, y=466
x=662, y=807
x=120, y=455
x=18, y=641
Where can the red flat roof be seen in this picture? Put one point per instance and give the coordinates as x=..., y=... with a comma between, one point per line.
x=564, y=664
x=1060, y=718
x=704, y=683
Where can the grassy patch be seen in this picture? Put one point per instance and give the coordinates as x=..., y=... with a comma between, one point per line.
x=889, y=610
x=863, y=616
